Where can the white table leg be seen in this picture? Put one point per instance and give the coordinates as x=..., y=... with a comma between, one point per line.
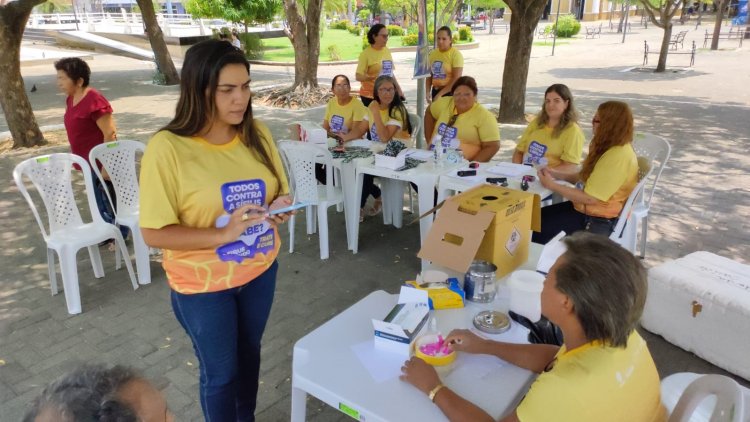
x=351, y=203
x=397, y=198
x=426, y=202
x=357, y=194
x=299, y=401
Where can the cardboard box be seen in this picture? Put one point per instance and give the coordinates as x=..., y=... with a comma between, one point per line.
x=451, y=296
x=396, y=332
x=389, y=162
x=312, y=132
x=490, y=223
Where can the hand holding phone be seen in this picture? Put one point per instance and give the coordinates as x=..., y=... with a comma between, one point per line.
x=289, y=208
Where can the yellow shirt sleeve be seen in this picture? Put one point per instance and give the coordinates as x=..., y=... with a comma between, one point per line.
x=265, y=134
x=362, y=62
x=158, y=200
x=550, y=399
x=360, y=111
x=329, y=110
x=457, y=59
x=439, y=106
x=489, y=131
x=572, y=144
x=610, y=173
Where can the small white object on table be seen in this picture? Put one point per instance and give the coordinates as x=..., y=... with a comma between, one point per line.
x=451, y=183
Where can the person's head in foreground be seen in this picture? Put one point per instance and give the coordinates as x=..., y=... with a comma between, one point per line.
x=595, y=292
x=98, y=393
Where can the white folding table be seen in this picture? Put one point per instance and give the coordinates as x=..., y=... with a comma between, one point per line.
x=325, y=365
x=450, y=184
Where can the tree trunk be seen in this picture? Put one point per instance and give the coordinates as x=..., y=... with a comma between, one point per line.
x=721, y=6
x=661, y=66
x=161, y=55
x=491, y=18
x=622, y=18
x=304, y=33
x=525, y=15
x=13, y=99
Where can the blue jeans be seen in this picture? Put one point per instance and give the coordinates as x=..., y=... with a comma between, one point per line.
x=226, y=328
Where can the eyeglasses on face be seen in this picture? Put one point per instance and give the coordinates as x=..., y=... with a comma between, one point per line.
x=341, y=86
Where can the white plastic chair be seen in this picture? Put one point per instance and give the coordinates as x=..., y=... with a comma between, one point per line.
x=626, y=229
x=51, y=176
x=657, y=150
x=119, y=160
x=691, y=397
x=301, y=158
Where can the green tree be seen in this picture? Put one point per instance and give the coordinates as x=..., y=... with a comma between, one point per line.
x=661, y=12
x=525, y=15
x=13, y=99
x=244, y=12
x=304, y=33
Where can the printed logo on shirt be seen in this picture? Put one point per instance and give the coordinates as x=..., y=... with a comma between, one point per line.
x=387, y=68
x=337, y=124
x=448, y=136
x=437, y=70
x=258, y=238
x=534, y=153
x=374, y=133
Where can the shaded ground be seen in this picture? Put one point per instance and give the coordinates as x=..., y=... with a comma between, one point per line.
x=702, y=204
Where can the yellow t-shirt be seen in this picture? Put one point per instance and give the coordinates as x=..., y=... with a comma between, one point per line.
x=614, y=177
x=341, y=118
x=442, y=65
x=596, y=383
x=374, y=62
x=471, y=128
x=191, y=182
x=396, y=120
x=537, y=142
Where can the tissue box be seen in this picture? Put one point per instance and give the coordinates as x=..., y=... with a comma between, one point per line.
x=311, y=132
x=392, y=163
x=396, y=332
x=451, y=296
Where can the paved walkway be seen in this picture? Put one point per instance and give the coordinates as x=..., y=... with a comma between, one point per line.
x=702, y=204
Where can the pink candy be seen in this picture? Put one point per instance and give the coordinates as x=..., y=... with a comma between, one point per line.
x=439, y=348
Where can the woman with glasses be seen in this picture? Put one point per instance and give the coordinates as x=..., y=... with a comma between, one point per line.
x=386, y=119
x=608, y=175
x=446, y=65
x=344, y=113
x=208, y=179
x=374, y=61
x=459, y=121
x=553, y=138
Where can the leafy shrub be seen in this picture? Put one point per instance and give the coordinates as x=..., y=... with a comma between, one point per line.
x=363, y=14
x=464, y=34
x=365, y=43
x=334, y=53
x=354, y=29
x=252, y=44
x=412, y=29
x=568, y=26
x=410, y=39
x=342, y=24
x=395, y=30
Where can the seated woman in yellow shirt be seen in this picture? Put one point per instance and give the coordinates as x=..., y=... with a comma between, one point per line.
x=554, y=134
x=461, y=121
x=344, y=113
x=608, y=175
x=602, y=372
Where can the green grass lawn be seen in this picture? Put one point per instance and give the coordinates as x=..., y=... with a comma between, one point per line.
x=348, y=44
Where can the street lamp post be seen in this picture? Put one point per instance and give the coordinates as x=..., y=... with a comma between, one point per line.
x=554, y=35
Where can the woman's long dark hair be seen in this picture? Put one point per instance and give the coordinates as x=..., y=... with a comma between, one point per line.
x=196, y=110
x=396, y=104
x=569, y=116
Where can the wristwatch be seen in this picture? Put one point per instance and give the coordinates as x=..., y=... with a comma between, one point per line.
x=434, y=391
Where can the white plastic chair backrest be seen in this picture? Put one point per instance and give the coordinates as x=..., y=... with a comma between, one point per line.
x=415, y=122
x=644, y=171
x=656, y=149
x=730, y=405
x=119, y=160
x=301, y=158
x=51, y=176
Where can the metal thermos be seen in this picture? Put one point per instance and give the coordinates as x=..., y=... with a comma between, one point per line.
x=479, y=282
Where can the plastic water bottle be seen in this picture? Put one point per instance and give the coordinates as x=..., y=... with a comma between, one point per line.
x=439, y=156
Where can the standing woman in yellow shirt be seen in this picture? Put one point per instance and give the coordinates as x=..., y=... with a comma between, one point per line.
x=460, y=121
x=374, y=61
x=207, y=179
x=554, y=134
x=446, y=65
x=608, y=175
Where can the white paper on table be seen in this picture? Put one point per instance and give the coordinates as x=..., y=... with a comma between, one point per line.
x=468, y=368
x=360, y=143
x=419, y=154
x=381, y=365
x=475, y=179
x=510, y=169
